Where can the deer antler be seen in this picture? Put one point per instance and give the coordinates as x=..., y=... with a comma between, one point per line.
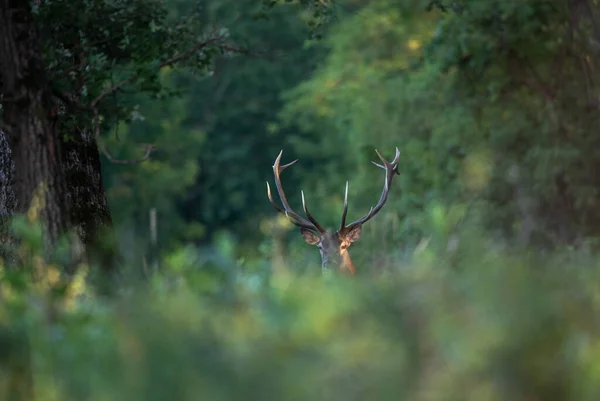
x=390, y=168
x=295, y=218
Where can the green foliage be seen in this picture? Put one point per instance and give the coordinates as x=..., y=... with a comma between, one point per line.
x=216, y=141
x=238, y=110
x=110, y=60
x=492, y=105
x=476, y=97
x=317, y=14
x=361, y=100
x=92, y=45
x=161, y=181
x=473, y=93
x=469, y=323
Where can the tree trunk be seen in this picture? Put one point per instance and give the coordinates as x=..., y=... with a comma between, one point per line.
x=7, y=196
x=7, y=168
x=86, y=197
x=28, y=116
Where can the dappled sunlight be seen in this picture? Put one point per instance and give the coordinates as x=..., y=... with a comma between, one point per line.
x=478, y=168
x=414, y=44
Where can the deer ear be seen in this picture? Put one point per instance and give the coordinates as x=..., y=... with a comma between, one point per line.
x=354, y=234
x=310, y=237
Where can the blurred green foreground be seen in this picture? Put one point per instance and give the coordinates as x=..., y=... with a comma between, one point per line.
x=471, y=323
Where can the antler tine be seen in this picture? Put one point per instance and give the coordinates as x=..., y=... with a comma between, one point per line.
x=294, y=217
x=312, y=219
x=385, y=162
x=280, y=210
x=345, y=212
x=391, y=168
x=396, y=157
x=277, y=169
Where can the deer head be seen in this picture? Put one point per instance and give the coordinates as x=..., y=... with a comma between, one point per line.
x=332, y=245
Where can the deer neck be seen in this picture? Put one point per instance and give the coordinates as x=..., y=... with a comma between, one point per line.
x=347, y=266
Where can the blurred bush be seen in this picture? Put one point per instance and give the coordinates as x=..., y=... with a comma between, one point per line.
x=467, y=322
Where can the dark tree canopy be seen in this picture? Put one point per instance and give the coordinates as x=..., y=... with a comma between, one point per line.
x=76, y=75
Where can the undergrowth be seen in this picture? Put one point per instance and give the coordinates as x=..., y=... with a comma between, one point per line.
x=472, y=323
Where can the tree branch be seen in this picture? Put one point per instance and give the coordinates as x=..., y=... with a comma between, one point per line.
x=149, y=148
x=167, y=63
x=69, y=102
x=93, y=106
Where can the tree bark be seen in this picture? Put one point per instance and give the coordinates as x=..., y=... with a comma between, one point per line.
x=7, y=168
x=86, y=197
x=7, y=197
x=34, y=156
x=29, y=116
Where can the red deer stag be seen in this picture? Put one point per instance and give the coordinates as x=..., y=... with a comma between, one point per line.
x=332, y=245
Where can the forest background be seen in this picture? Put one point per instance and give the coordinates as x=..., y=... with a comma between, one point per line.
x=478, y=280
x=493, y=110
